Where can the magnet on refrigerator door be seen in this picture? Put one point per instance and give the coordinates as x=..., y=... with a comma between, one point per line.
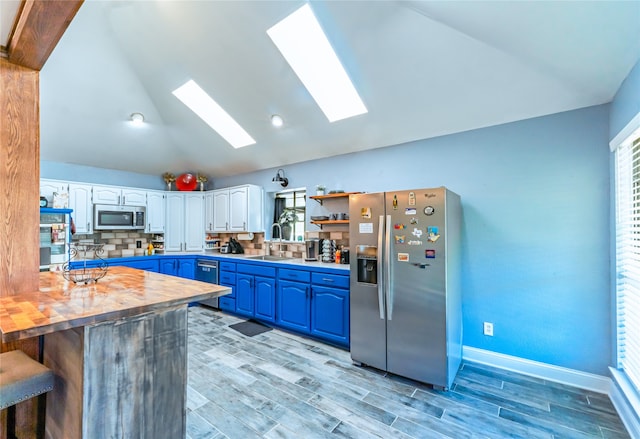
x=412, y=199
x=400, y=239
x=403, y=257
x=430, y=254
x=432, y=234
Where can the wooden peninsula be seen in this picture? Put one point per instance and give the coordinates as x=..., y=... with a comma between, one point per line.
x=118, y=348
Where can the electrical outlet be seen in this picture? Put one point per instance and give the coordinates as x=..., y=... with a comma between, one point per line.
x=488, y=329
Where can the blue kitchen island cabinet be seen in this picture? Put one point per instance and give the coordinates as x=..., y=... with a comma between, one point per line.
x=256, y=291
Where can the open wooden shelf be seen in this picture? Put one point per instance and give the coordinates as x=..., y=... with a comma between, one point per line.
x=320, y=223
x=320, y=198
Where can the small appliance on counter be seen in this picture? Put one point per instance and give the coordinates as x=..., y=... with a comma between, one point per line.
x=312, y=249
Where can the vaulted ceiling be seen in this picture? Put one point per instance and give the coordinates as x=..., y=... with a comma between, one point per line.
x=423, y=69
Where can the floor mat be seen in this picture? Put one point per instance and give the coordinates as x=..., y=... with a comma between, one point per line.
x=250, y=328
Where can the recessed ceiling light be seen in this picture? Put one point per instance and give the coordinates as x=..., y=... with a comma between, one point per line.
x=277, y=120
x=137, y=119
x=306, y=48
x=213, y=114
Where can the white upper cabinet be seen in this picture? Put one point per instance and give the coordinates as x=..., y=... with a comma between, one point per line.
x=184, y=229
x=155, y=212
x=238, y=209
x=49, y=187
x=221, y=210
x=208, y=211
x=119, y=195
x=174, y=226
x=80, y=202
x=194, y=222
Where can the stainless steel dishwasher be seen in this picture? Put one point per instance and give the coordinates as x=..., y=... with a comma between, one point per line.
x=207, y=271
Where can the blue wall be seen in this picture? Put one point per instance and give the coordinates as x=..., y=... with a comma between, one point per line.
x=89, y=174
x=626, y=104
x=536, y=202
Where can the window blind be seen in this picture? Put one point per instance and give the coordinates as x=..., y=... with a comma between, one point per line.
x=628, y=259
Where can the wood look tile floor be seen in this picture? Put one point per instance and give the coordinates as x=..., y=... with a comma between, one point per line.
x=280, y=385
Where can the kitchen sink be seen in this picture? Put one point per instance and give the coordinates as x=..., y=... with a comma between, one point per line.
x=268, y=258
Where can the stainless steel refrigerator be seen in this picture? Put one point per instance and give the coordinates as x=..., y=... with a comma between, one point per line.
x=405, y=306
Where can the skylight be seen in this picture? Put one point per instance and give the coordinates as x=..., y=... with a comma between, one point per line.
x=213, y=114
x=306, y=48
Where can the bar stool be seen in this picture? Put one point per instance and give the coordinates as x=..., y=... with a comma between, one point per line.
x=22, y=378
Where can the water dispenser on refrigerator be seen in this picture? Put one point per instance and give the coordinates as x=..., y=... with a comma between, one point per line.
x=367, y=257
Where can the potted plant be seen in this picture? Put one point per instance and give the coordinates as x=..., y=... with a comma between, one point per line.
x=287, y=217
x=320, y=189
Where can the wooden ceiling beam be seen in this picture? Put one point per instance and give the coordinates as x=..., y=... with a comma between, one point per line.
x=38, y=28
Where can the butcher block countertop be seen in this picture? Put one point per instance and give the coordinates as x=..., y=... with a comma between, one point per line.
x=123, y=292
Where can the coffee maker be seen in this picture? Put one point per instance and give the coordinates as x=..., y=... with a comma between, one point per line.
x=312, y=249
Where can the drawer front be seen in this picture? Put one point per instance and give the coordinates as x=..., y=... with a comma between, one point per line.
x=227, y=266
x=227, y=304
x=294, y=275
x=330, y=280
x=227, y=278
x=260, y=270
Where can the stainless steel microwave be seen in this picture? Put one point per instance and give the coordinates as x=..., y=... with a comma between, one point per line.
x=112, y=217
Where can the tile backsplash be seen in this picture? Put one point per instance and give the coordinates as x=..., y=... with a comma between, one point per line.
x=257, y=245
x=116, y=244
x=126, y=244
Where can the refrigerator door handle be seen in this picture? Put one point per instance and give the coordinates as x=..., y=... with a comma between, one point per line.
x=387, y=275
x=379, y=268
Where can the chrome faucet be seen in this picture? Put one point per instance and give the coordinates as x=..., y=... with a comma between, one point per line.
x=276, y=225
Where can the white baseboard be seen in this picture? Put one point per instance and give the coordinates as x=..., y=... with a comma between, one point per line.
x=570, y=377
x=626, y=401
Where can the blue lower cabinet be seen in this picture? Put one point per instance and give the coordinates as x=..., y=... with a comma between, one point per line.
x=148, y=265
x=227, y=303
x=330, y=314
x=244, y=295
x=255, y=296
x=265, y=298
x=169, y=266
x=181, y=267
x=227, y=278
x=293, y=304
x=187, y=268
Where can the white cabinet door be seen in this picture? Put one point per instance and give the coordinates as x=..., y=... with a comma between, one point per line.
x=194, y=222
x=49, y=187
x=80, y=202
x=220, y=210
x=106, y=195
x=174, y=226
x=133, y=197
x=238, y=209
x=155, y=212
x=208, y=211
